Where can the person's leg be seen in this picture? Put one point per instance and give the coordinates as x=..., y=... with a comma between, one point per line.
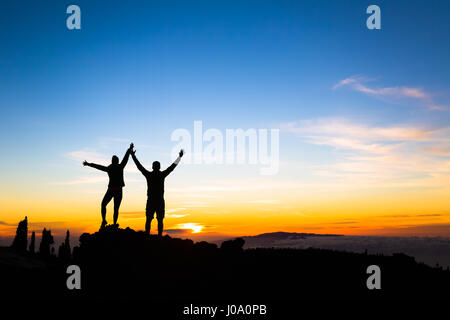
x=117, y=201
x=160, y=226
x=149, y=212
x=160, y=216
x=148, y=223
x=106, y=199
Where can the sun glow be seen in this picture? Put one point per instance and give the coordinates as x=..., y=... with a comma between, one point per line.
x=195, y=227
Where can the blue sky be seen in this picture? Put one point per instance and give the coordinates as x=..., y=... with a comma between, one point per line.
x=186, y=60
x=137, y=70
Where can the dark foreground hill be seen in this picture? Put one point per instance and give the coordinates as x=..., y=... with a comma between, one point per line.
x=128, y=264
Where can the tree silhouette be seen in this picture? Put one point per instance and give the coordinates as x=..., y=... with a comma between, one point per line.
x=32, y=243
x=20, y=241
x=64, y=248
x=233, y=246
x=46, y=242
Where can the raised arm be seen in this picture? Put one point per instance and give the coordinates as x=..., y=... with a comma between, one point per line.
x=96, y=166
x=138, y=164
x=126, y=156
x=174, y=164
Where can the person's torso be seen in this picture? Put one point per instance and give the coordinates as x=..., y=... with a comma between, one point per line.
x=115, y=173
x=155, y=184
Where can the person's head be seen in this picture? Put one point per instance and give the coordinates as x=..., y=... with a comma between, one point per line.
x=115, y=160
x=156, y=166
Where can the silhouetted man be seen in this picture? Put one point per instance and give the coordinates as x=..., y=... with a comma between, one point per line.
x=116, y=183
x=155, y=190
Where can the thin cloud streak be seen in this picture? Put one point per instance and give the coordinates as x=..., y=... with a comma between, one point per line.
x=90, y=156
x=399, y=155
x=82, y=181
x=398, y=92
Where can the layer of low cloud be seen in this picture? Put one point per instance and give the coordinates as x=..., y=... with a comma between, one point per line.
x=429, y=250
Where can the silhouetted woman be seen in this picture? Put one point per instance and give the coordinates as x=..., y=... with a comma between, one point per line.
x=116, y=183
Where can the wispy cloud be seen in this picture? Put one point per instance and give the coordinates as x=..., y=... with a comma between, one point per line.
x=343, y=222
x=195, y=204
x=357, y=83
x=172, y=213
x=402, y=216
x=91, y=156
x=264, y=201
x=178, y=232
x=440, y=150
x=175, y=210
x=388, y=156
x=82, y=180
x=344, y=134
x=3, y=223
x=221, y=188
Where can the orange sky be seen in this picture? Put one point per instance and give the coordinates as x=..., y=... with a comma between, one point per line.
x=239, y=208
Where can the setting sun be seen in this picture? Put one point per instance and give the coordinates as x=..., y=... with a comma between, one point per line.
x=195, y=227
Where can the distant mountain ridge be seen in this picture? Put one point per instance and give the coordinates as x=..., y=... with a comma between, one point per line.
x=289, y=235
